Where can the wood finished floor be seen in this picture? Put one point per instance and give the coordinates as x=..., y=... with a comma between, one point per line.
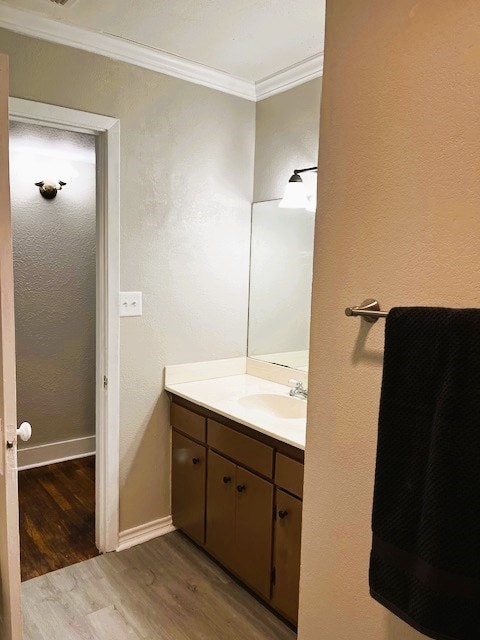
x=57, y=516
x=165, y=589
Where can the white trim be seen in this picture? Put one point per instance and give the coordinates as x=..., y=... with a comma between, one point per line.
x=274, y=372
x=289, y=78
x=107, y=131
x=59, y=117
x=145, y=532
x=32, y=24
x=116, y=48
x=108, y=339
x=53, y=452
x=197, y=371
x=294, y=359
x=194, y=371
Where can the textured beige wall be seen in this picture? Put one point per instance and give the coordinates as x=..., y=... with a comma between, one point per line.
x=398, y=219
x=286, y=137
x=186, y=172
x=54, y=265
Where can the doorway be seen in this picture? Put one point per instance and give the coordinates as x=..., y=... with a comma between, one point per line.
x=105, y=135
x=53, y=203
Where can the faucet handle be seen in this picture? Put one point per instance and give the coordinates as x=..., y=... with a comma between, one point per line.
x=297, y=389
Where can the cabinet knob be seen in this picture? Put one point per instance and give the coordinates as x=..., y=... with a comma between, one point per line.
x=196, y=460
x=226, y=479
x=282, y=514
x=241, y=488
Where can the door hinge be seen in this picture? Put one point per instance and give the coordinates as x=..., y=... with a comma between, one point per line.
x=105, y=382
x=274, y=575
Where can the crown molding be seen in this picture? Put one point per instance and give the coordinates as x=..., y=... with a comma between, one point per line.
x=290, y=77
x=37, y=26
x=32, y=24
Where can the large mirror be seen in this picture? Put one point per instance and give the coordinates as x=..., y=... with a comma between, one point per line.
x=281, y=267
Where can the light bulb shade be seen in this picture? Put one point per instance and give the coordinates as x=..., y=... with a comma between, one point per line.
x=295, y=196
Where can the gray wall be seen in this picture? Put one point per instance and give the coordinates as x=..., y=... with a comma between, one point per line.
x=54, y=262
x=186, y=188
x=286, y=137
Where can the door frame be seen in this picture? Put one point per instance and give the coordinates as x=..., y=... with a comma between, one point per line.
x=107, y=385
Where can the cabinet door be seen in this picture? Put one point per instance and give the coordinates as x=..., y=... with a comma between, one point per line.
x=188, y=486
x=286, y=554
x=221, y=489
x=253, y=531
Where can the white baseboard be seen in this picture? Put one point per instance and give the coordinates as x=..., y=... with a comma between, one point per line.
x=44, y=454
x=145, y=532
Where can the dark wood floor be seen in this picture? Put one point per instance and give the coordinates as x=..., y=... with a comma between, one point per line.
x=57, y=516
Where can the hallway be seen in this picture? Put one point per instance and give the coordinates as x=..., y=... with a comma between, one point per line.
x=57, y=516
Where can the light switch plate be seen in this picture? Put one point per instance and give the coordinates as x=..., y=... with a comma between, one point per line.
x=130, y=303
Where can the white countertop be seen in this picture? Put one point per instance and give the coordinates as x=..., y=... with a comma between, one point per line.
x=225, y=396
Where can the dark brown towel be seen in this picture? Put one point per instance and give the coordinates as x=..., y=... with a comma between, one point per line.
x=425, y=561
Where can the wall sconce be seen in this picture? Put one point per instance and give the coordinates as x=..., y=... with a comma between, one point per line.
x=50, y=189
x=295, y=196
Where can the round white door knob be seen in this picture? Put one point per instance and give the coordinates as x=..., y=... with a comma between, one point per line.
x=24, y=431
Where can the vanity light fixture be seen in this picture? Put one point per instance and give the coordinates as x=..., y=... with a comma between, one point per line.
x=49, y=189
x=295, y=196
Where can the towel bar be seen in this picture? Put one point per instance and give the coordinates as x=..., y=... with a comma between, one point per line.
x=369, y=310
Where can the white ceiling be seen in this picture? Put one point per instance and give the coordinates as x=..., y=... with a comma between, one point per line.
x=250, y=39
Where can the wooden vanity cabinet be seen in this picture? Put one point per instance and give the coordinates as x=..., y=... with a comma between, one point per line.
x=286, y=554
x=239, y=497
x=245, y=450
x=188, y=486
x=253, y=531
x=221, y=491
x=289, y=475
x=239, y=522
x=191, y=424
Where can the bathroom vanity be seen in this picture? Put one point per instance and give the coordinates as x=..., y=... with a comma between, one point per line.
x=237, y=480
x=238, y=437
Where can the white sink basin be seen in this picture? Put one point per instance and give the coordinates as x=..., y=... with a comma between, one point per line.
x=278, y=406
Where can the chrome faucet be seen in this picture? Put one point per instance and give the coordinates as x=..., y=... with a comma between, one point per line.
x=297, y=390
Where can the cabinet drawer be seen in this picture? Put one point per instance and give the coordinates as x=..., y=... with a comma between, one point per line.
x=247, y=451
x=289, y=475
x=188, y=422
